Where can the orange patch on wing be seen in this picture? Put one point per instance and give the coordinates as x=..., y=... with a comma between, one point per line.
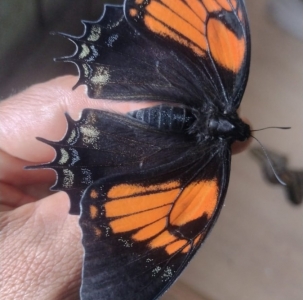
x=186, y=249
x=226, y=49
x=138, y=2
x=133, y=12
x=197, y=199
x=197, y=239
x=137, y=204
x=182, y=10
x=127, y=190
x=165, y=22
x=162, y=240
x=225, y=4
x=175, y=246
x=198, y=8
x=139, y=220
x=150, y=230
x=93, y=211
x=93, y=194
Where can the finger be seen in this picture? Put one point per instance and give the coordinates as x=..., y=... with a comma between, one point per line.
x=11, y=197
x=40, y=243
x=39, y=111
x=12, y=172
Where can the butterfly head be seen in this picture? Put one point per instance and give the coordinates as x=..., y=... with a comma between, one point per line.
x=228, y=126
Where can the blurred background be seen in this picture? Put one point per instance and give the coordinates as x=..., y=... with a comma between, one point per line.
x=255, y=251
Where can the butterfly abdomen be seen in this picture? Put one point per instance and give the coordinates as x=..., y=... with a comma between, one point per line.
x=165, y=117
x=206, y=125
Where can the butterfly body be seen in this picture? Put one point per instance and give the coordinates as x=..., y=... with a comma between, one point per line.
x=150, y=184
x=203, y=125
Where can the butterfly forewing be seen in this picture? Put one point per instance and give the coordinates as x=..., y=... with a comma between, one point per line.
x=180, y=45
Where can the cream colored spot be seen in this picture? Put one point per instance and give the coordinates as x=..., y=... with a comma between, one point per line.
x=72, y=136
x=100, y=78
x=68, y=179
x=91, y=118
x=85, y=51
x=64, y=157
x=86, y=70
x=90, y=135
x=94, y=34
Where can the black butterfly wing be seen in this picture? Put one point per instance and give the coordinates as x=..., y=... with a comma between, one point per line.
x=191, y=52
x=141, y=228
x=146, y=215
x=102, y=144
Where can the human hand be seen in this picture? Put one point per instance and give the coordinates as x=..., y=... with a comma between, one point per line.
x=41, y=251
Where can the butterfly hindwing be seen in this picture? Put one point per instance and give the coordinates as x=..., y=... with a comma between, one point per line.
x=102, y=143
x=180, y=45
x=149, y=227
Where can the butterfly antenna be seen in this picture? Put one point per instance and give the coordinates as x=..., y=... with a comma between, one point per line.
x=268, y=159
x=271, y=127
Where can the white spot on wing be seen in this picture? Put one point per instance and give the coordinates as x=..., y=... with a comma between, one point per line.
x=155, y=271
x=64, y=157
x=112, y=39
x=167, y=274
x=86, y=70
x=85, y=51
x=73, y=137
x=87, y=179
x=125, y=243
x=95, y=51
x=94, y=34
x=75, y=155
x=90, y=135
x=68, y=179
x=100, y=78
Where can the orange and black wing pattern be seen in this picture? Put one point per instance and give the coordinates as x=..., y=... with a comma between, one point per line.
x=149, y=185
x=194, y=52
x=149, y=198
x=147, y=228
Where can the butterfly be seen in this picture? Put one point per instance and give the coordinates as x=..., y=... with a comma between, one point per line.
x=292, y=178
x=149, y=185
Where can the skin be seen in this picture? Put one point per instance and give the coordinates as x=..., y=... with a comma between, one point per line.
x=41, y=251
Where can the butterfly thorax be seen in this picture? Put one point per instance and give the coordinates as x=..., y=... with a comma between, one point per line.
x=228, y=126
x=202, y=125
